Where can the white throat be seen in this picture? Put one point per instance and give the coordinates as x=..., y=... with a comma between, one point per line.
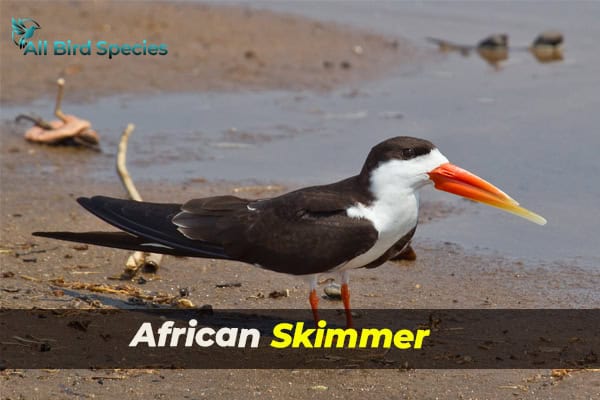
x=393, y=177
x=395, y=210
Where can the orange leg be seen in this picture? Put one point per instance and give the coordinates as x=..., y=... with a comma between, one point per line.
x=346, y=300
x=314, y=305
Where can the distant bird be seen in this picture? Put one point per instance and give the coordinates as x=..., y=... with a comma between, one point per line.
x=547, y=47
x=21, y=34
x=497, y=41
x=549, y=38
x=494, y=49
x=359, y=222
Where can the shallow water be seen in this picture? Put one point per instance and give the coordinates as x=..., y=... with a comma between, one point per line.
x=530, y=128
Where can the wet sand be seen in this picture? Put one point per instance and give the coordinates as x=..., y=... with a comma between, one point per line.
x=39, y=187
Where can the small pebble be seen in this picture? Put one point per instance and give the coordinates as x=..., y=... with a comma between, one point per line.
x=333, y=291
x=185, y=303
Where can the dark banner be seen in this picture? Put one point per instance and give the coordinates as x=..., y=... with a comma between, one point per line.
x=290, y=339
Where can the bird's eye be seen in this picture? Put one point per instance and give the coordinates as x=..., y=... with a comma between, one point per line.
x=408, y=153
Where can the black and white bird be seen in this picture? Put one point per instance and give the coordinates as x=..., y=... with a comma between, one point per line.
x=548, y=47
x=359, y=222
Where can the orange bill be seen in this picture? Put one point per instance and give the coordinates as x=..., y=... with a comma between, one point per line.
x=450, y=178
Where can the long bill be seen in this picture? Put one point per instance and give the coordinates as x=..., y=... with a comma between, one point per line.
x=450, y=178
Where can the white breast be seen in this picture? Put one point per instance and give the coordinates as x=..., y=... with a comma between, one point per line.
x=392, y=222
x=394, y=185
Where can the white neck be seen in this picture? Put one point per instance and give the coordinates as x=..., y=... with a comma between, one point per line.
x=395, y=185
x=395, y=210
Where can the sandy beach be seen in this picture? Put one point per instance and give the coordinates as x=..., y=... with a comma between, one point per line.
x=210, y=48
x=238, y=49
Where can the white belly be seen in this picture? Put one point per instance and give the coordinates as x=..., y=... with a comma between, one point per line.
x=391, y=220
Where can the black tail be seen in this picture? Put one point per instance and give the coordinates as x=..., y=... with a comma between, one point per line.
x=117, y=240
x=148, y=226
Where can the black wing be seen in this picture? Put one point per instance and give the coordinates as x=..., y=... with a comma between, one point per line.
x=302, y=232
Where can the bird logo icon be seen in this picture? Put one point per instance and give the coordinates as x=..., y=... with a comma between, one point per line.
x=23, y=30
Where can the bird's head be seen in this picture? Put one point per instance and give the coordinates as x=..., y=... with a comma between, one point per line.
x=403, y=165
x=33, y=27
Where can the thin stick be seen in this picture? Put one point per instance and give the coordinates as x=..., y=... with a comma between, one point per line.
x=138, y=259
x=122, y=168
x=59, y=96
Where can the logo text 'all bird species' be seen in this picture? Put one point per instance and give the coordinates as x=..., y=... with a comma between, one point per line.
x=23, y=30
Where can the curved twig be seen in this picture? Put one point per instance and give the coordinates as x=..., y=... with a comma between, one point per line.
x=122, y=168
x=138, y=259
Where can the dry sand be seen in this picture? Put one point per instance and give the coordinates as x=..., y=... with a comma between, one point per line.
x=39, y=185
x=210, y=48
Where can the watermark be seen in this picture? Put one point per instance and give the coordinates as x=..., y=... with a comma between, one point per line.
x=24, y=29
